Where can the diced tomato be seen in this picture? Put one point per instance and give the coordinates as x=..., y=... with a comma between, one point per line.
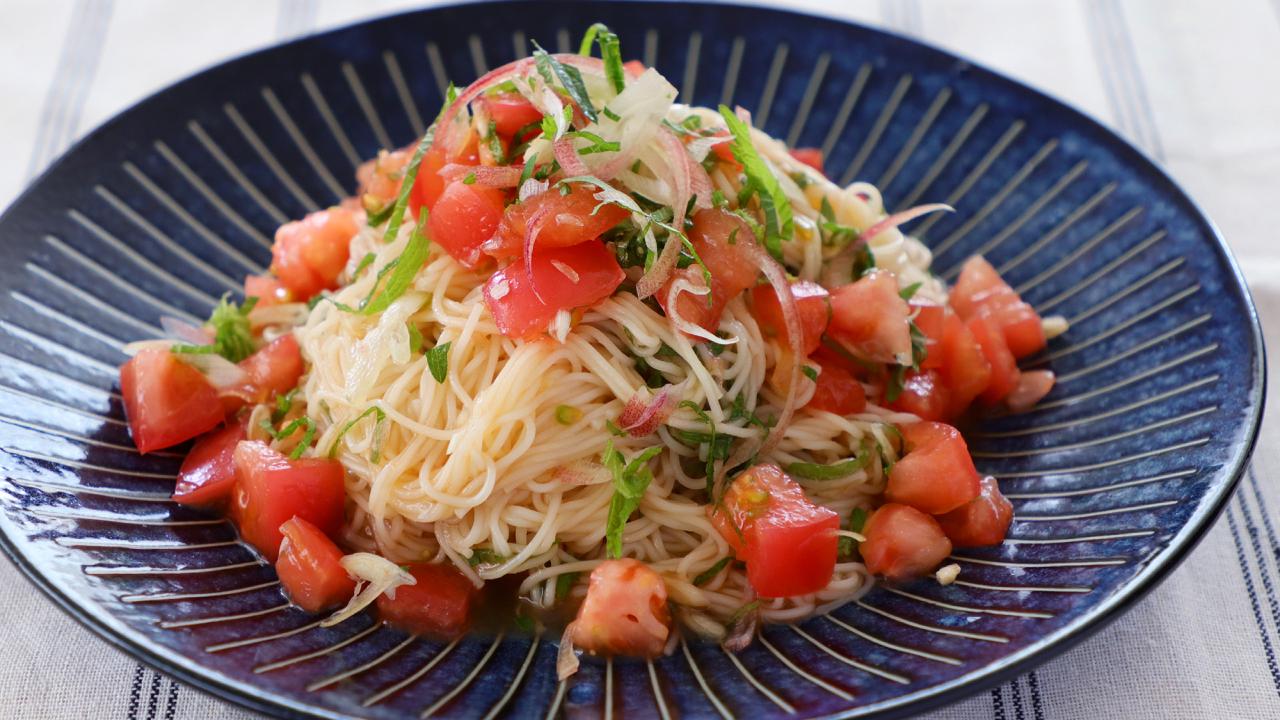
x=809, y=156
x=208, y=473
x=983, y=520
x=1032, y=386
x=309, y=254
x=381, y=176
x=567, y=278
x=563, y=221
x=271, y=488
x=310, y=568
x=936, y=475
x=268, y=290
x=965, y=370
x=872, y=319
x=925, y=395
x=980, y=290
x=510, y=112
x=930, y=319
x=275, y=368
x=723, y=151
x=464, y=217
x=813, y=303
x=625, y=611
x=838, y=390
x=439, y=604
x=715, y=235
x=902, y=543
x=428, y=186
x=787, y=541
x=1004, y=369
x=166, y=400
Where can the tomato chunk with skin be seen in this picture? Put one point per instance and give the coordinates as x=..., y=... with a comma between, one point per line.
x=562, y=221
x=439, y=604
x=625, y=611
x=809, y=156
x=567, y=278
x=924, y=395
x=381, y=177
x=464, y=217
x=271, y=488
x=715, y=236
x=268, y=290
x=1004, y=368
x=838, y=390
x=965, y=370
x=310, y=568
x=981, y=291
x=309, y=254
x=936, y=475
x=983, y=520
x=275, y=368
x=930, y=320
x=428, y=186
x=813, y=304
x=208, y=473
x=872, y=319
x=166, y=401
x=510, y=112
x=787, y=541
x=902, y=543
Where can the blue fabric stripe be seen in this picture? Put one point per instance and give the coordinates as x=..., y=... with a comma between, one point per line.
x=1037, y=706
x=997, y=704
x=1019, y=713
x=1252, y=592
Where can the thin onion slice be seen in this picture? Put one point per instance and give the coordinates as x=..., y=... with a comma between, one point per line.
x=566, y=659
x=533, y=226
x=569, y=158
x=641, y=417
x=221, y=372
x=682, y=285
x=777, y=277
x=376, y=575
x=581, y=472
x=184, y=331
x=689, y=179
x=498, y=176
x=903, y=216
x=533, y=188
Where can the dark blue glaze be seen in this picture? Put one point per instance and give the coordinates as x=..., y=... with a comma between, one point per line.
x=1115, y=478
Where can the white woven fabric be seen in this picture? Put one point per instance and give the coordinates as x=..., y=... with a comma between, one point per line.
x=1194, y=83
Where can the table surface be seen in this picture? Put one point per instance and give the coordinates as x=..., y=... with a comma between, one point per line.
x=1192, y=83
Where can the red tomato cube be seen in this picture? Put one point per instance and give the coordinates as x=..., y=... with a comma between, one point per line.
x=510, y=112
x=625, y=611
x=208, y=473
x=809, y=156
x=567, y=278
x=714, y=237
x=268, y=290
x=930, y=320
x=464, y=217
x=965, y=370
x=438, y=605
x=275, y=368
x=562, y=221
x=981, y=290
x=310, y=568
x=838, y=390
x=813, y=304
x=271, y=488
x=872, y=319
x=166, y=400
x=924, y=395
x=309, y=254
x=1004, y=368
x=902, y=543
x=983, y=520
x=936, y=475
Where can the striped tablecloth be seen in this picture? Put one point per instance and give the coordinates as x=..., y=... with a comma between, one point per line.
x=1194, y=83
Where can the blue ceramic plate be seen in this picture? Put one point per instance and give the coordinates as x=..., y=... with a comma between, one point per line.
x=166, y=207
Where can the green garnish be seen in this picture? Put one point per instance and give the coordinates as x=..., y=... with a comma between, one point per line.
x=567, y=414
x=380, y=416
x=232, y=335
x=525, y=623
x=835, y=471
x=613, y=429
x=810, y=372
x=551, y=69
x=779, y=225
x=438, y=361
x=284, y=403
x=363, y=265
x=909, y=291
x=565, y=583
x=710, y=573
x=610, y=52
x=470, y=179
x=484, y=556
x=395, y=212
x=630, y=480
x=415, y=338
x=401, y=271
x=309, y=433
x=857, y=519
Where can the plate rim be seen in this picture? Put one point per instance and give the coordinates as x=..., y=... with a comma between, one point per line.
x=1046, y=648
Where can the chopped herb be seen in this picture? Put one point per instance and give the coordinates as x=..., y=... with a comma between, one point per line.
x=630, y=480
x=810, y=372
x=495, y=148
x=363, y=265
x=710, y=573
x=309, y=433
x=742, y=612
x=438, y=361
x=832, y=232
x=692, y=123
x=598, y=144
x=613, y=429
x=402, y=271
x=718, y=199
x=835, y=471
x=284, y=403
x=717, y=445
x=415, y=338
x=316, y=300
x=610, y=52
x=565, y=583
x=844, y=548
x=857, y=519
x=909, y=291
x=484, y=556
x=897, y=382
x=524, y=622
x=470, y=179
x=801, y=180
x=380, y=417
x=552, y=69
x=779, y=226
x=232, y=335
x=394, y=215
x=567, y=414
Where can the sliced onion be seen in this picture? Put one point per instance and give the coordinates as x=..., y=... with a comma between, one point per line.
x=566, y=659
x=903, y=216
x=499, y=176
x=221, y=372
x=689, y=180
x=641, y=417
x=681, y=285
x=777, y=277
x=700, y=147
x=533, y=226
x=1032, y=386
x=184, y=331
x=533, y=188
x=743, y=631
x=138, y=346
x=581, y=472
x=376, y=575
x=569, y=159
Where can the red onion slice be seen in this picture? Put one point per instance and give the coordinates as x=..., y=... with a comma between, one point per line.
x=501, y=176
x=533, y=226
x=683, y=285
x=184, y=331
x=903, y=216
x=777, y=277
x=641, y=418
x=569, y=159
x=689, y=180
